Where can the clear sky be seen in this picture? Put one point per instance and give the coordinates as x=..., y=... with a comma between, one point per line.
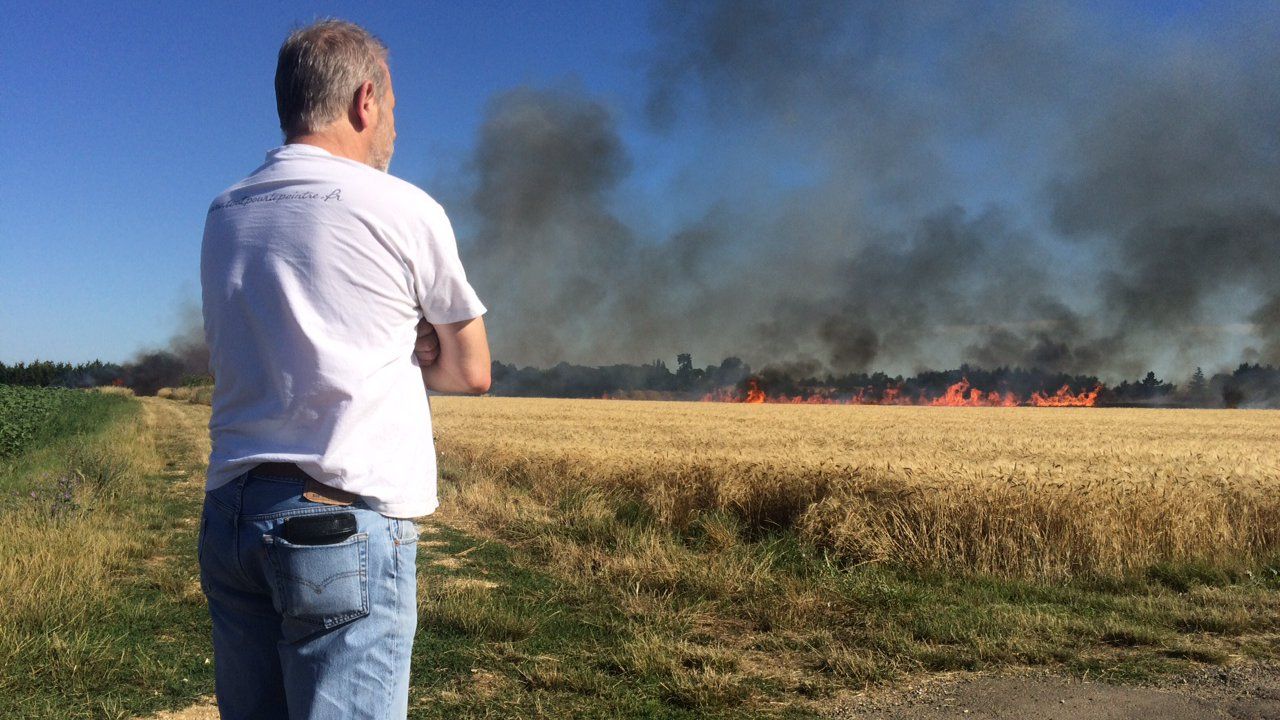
x=126, y=118
x=1092, y=186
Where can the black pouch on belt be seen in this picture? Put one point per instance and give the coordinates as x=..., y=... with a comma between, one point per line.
x=325, y=529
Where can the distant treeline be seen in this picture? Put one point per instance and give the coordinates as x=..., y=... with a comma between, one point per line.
x=145, y=376
x=1247, y=386
x=43, y=373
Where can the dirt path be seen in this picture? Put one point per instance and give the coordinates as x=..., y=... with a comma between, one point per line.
x=1245, y=692
x=181, y=433
x=206, y=709
x=1251, y=693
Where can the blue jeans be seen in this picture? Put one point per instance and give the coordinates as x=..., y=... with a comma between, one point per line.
x=306, y=632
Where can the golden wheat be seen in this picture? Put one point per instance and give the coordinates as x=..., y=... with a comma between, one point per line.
x=1029, y=492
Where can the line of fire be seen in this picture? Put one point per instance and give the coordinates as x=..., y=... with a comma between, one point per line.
x=960, y=394
x=732, y=381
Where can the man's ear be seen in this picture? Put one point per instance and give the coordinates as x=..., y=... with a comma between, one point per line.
x=364, y=107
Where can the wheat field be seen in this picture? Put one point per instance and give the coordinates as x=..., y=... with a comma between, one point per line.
x=1025, y=492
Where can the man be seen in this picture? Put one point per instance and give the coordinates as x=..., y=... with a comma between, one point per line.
x=333, y=295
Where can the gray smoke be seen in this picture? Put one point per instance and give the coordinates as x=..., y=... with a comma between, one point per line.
x=547, y=247
x=568, y=280
x=1177, y=184
x=901, y=186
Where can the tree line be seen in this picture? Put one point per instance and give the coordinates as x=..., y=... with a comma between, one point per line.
x=1249, y=385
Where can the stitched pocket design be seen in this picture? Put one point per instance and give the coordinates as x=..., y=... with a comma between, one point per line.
x=319, y=586
x=204, y=529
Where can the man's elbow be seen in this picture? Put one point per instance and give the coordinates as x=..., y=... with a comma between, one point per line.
x=477, y=381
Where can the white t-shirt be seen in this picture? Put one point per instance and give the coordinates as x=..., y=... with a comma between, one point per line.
x=315, y=271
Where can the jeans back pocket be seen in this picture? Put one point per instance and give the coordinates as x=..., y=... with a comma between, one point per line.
x=404, y=531
x=319, y=586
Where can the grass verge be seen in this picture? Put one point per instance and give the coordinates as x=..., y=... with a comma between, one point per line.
x=580, y=604
x=498, y=637
x=103, y=615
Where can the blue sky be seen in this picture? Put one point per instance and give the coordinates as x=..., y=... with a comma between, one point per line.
x=768, y=221
x=131, y=116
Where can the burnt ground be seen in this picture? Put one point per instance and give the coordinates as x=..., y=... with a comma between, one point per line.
x=1242, y=692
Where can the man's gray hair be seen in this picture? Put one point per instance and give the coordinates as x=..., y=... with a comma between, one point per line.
x=319, y=70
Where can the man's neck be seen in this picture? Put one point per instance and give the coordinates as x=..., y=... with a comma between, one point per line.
x=337, y=145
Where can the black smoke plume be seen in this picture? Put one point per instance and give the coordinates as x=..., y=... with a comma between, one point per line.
x=901, y=186
x=184, y=361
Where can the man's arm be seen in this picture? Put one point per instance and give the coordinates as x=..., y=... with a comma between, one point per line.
x=462, y=365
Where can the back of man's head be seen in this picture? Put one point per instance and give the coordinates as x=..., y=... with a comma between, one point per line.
x=319, y=69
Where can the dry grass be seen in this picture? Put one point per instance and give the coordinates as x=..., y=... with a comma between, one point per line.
x=1025, y=492
x=60, y=565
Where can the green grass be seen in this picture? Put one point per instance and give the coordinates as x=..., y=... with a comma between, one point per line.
x=33, y=416
x=60, y=432
x=534, y=645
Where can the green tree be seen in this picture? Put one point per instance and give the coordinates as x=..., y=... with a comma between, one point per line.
x=1198, y=388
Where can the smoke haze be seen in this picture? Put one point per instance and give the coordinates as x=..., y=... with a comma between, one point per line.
x=901, y=186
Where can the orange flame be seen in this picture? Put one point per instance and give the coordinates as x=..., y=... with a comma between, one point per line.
x=1064, y=398
x=960, y=394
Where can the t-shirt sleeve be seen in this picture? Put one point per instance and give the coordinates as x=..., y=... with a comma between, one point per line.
x=444, y=295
